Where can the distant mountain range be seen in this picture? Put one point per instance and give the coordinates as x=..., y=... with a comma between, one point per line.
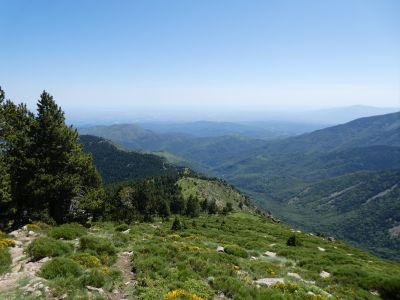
x=247, y=117
x=297, y=177
x=267, y=130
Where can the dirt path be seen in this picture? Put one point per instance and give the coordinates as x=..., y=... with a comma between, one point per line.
x=21, y=267
x=128, y=277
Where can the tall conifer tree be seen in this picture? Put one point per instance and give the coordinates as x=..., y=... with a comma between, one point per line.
x=16, y=148
x=5, y=184
x=65, y=177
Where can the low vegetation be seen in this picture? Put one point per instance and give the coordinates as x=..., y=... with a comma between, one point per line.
x=68, y=231
x=5, y=260
x=184, y=263
x=47, y=247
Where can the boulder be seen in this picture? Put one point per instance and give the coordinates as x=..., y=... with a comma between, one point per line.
x=220, y=249
x=268, y=281
x=270, y=254
x=294, y=275
x=324, y=274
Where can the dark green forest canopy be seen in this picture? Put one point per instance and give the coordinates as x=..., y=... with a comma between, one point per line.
x=116, y=164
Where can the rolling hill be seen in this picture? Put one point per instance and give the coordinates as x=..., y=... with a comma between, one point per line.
x=116, y=164
x=274, y=171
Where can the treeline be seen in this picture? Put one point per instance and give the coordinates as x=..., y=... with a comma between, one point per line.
x=159, y=196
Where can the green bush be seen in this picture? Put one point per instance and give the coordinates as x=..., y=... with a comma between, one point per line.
x=67, y=231
x=97, y=245
x=94, y=278
x=120, y=239
x=177, y=224
x=122, y=227
x=5, y=260
x=390, y=289
x=47, y=247
x=293, y=241
x=236, y=251
x=60, y=267
x=86, y=260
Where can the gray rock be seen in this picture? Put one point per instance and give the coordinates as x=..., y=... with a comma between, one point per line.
x=268, y=281
x=270, y=254
x=324, y=274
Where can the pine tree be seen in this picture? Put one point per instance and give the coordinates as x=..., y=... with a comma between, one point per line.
x=192, y=207
x=5, y=184
x=16, y=124
x=204, y=205
x=178, y=205
x=5, y=195
x=63, y=171
x=212, y=208
x=227, y=208
x=177, y=224
x=163, y=209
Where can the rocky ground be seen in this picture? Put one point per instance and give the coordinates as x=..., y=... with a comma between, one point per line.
x=22, y=269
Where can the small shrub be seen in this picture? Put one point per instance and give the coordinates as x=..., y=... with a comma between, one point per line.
x=390, y=289
x=293, y=241
x=47, y=247
x=198, y=288
x=86, y=260
x=94, y=278
x=98, y=245
x=5, y=260
x=181, y=294
x=177, y=224
x=5, y=243
x=122, y=227
x=60, y=267
x=68, y=231
x=236, y=251
x=120, y=239
x=175, y=237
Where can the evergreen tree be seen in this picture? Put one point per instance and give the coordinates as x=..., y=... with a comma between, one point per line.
x=163, y=209
x=5, y=195
x=227, y=208
x=192, y=207
x=177, y=224
x=178, y=205
x=204, y=205
x=16, y=124
x=63, y=172
x=212, y=208
x=5, y=184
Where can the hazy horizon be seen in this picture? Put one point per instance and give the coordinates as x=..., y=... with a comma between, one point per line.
x=327, y=116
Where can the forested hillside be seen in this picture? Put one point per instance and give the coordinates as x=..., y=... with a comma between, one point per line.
x=116, y=164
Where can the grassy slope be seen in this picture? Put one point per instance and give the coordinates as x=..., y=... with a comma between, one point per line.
x=212, y=190
x=164, y=260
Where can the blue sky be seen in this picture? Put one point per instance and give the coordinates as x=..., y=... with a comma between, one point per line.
x=204, y=54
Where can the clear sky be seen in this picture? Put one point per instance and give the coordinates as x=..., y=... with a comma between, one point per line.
x=205, y=54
